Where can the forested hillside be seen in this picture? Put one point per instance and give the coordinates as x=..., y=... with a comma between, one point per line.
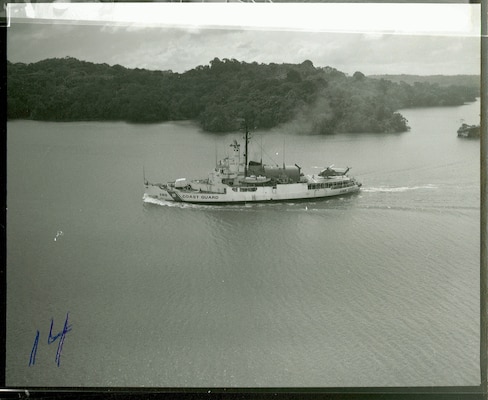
x=441, y=80
x=219, y=95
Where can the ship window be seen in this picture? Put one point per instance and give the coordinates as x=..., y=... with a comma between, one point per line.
x=234, y=189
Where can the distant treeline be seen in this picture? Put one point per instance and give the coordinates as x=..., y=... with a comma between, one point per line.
x=441, y=80
x=221, y=95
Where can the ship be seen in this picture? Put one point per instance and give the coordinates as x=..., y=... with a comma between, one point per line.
x=469, y=131
x=237, y=180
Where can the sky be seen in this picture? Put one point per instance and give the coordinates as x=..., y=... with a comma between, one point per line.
x=418, y=39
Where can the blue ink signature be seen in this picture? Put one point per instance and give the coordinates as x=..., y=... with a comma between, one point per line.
x=61, y=336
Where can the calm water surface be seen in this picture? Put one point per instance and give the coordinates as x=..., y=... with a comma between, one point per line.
x=375, y=289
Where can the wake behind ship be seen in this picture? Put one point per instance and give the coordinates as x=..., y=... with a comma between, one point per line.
x=237, y=180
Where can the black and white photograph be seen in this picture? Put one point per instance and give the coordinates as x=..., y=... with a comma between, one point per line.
x=243, y=195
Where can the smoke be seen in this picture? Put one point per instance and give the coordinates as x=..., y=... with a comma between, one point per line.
x=314, y=119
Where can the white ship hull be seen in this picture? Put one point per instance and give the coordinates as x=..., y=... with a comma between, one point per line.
x=295, y=191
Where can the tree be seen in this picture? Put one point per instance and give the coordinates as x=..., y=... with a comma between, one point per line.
x=358, y=76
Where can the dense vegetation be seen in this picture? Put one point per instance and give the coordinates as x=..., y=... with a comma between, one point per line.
x=220, y=95
x=472, y=81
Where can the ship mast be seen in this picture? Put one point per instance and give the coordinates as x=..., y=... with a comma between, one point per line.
x=245, y=151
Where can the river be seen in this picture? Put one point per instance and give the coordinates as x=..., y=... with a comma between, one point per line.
x=380, y=288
